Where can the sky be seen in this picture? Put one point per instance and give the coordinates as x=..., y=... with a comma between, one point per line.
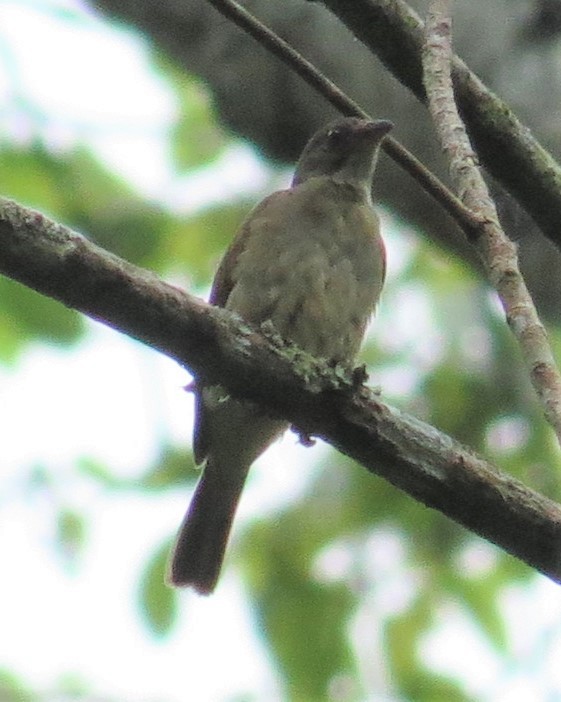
x=56, y=621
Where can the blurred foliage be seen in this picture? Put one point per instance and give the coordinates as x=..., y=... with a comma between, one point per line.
x=157, y=602
x=12, y=689
x=27, y=317
x=69, y=688
x=196, y=138
x=469, y=384
x=76, y=189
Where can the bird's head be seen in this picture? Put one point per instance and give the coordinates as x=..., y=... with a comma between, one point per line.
x=346, y=150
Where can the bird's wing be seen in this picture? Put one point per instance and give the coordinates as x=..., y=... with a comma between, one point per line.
x=223, y=280
x=222, y=286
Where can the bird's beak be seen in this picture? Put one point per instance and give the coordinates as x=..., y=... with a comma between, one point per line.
x=378, y=127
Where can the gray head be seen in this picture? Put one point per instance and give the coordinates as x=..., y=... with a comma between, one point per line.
x=346, y=150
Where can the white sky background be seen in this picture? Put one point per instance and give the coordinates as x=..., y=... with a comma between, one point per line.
x=115, y=400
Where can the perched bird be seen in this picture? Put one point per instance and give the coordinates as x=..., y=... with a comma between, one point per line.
x=311, y=260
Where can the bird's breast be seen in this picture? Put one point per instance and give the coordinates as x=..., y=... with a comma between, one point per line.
x=314, y=265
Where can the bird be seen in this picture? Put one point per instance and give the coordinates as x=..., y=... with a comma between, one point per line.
x=309, y=260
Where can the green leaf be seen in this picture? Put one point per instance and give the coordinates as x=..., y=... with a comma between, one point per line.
x=173, y=467
x=196, y=245
x=26, y=317
x=402, y=635
x=157, y=602
x=12, y=689
x=196, y=137
x=304, y=622
x=94, y=470
x=71, y=530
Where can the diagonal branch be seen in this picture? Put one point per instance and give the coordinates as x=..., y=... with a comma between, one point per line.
x=217, y=346
x=496, y=250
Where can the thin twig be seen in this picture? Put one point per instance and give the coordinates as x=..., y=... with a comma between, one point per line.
x=333, y=94
x=497, y=251
x=394, y=32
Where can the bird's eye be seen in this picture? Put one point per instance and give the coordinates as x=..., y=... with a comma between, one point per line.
x=338, y=136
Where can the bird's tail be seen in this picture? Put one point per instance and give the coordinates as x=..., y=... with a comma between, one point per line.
x=201, y=542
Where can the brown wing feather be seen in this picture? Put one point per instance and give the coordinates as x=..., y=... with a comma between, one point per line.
x=223, y=282
x=220, y=292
